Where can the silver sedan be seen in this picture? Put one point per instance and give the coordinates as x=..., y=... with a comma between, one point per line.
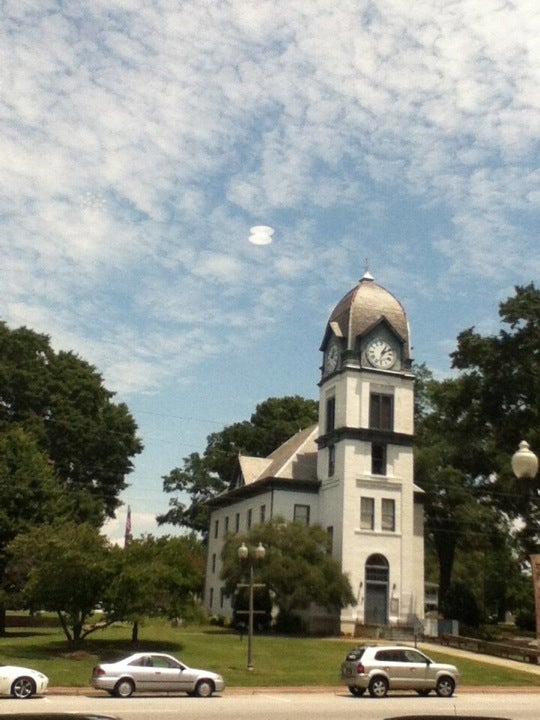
x=154, y=672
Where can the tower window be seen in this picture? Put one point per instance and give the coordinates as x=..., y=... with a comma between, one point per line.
x=330, y=414
x=381, y=411
x=262, y=514
x=237, y=522
x=378, y=459
x=214, y=562
x=388, y=515
x=249, y=518
x=331, y=460
x=216, y=528
x=367, y=513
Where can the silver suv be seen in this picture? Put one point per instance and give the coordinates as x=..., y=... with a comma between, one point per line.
x=379, y=669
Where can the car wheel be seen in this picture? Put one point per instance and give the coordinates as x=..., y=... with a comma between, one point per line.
x=23, y=688
x=445, y=687
x=423, y=693
x=124, y=688
x=378, y=687
x=356, y=691
x=204, y=688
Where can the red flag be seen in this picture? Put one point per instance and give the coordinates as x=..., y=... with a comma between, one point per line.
x=127, y=536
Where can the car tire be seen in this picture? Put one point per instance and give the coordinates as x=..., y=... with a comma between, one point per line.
x=445, y=686
x=356, y=691
x=23, y=688
x=424, y=693
x=124, y=688
x=378, y=687
x=204, y=688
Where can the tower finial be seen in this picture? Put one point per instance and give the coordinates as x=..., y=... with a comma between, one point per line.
x=367, y=275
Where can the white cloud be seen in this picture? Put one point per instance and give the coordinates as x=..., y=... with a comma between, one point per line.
x=140, y=139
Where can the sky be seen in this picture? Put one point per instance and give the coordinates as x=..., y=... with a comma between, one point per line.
x=141, y=141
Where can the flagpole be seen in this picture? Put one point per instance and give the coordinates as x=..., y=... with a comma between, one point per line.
x=127, y=534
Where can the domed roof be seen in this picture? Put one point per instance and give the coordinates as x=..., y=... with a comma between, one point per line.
x=364, y=307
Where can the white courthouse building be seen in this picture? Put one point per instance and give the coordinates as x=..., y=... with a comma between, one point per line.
x=352, y=473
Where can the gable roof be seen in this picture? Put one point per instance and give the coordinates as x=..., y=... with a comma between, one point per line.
x=293, y=464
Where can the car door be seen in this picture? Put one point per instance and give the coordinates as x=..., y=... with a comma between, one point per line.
x=168, y=674
x=389, y=662
x=416, y=670
x=142, y=671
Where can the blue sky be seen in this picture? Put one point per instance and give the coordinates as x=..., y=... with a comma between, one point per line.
x=140, y=142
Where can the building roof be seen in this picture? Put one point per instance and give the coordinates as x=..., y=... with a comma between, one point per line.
x=363, y=308
x=293, y=464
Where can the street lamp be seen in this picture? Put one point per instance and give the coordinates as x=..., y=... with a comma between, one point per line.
x=243, y=554
x=525, y=467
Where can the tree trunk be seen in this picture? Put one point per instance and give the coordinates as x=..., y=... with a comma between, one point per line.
x=446, y=551
x=135, y=632
x=2, y=619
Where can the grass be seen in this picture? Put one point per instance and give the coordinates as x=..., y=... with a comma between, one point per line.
x=279, y=661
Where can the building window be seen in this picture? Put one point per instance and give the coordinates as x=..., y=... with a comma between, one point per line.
x=214, y=563
x=330, y=534
x=331, y=460
x=211, y=597
x=249, y=518
x=237, y=522
x=388, y=515
x=367, y=513
x=330, y=414
x=301, y=514
x=381, y=412
x=227, y=524
x=378, y=459
x=216, y=528
x=262, y=514
x=222, y=598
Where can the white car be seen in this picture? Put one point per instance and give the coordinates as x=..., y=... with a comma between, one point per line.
x=154, y=672
x=21, y=682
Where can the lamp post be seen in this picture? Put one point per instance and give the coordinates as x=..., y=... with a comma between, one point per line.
x=525, y=467
x=243, y=554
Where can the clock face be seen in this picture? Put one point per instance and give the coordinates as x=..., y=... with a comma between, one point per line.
x=381, y=354
x=332, y=357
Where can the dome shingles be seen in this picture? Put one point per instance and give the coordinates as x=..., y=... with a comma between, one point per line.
x=363, y=308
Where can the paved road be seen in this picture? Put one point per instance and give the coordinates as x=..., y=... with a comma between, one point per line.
x=272, y=705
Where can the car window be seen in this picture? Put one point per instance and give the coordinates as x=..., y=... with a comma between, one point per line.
x=162, y=662
x=355, y=654
x=415, y=657
x=385, y=655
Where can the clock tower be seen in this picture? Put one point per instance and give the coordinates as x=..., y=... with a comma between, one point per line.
x=369, y=504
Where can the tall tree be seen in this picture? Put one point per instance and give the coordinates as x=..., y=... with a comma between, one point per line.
x=60, y=401
x=202, y=477
x=503, y=372
x=64, y=569
x=155, y=576
x=297, y=570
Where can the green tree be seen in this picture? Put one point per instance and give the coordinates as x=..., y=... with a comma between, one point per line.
x=202, y=477
x=155, y=576
x=29, y=491
x=64, y=569
x=503, y=372
x=60, y=401
x=453, y=468
x=297, y=569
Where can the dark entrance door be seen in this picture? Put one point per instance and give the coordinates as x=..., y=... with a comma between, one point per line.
x=376, y=595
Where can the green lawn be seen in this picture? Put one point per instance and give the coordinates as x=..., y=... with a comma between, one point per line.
x=279, y=661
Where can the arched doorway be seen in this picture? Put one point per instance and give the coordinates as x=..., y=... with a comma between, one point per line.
x=376, y=590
